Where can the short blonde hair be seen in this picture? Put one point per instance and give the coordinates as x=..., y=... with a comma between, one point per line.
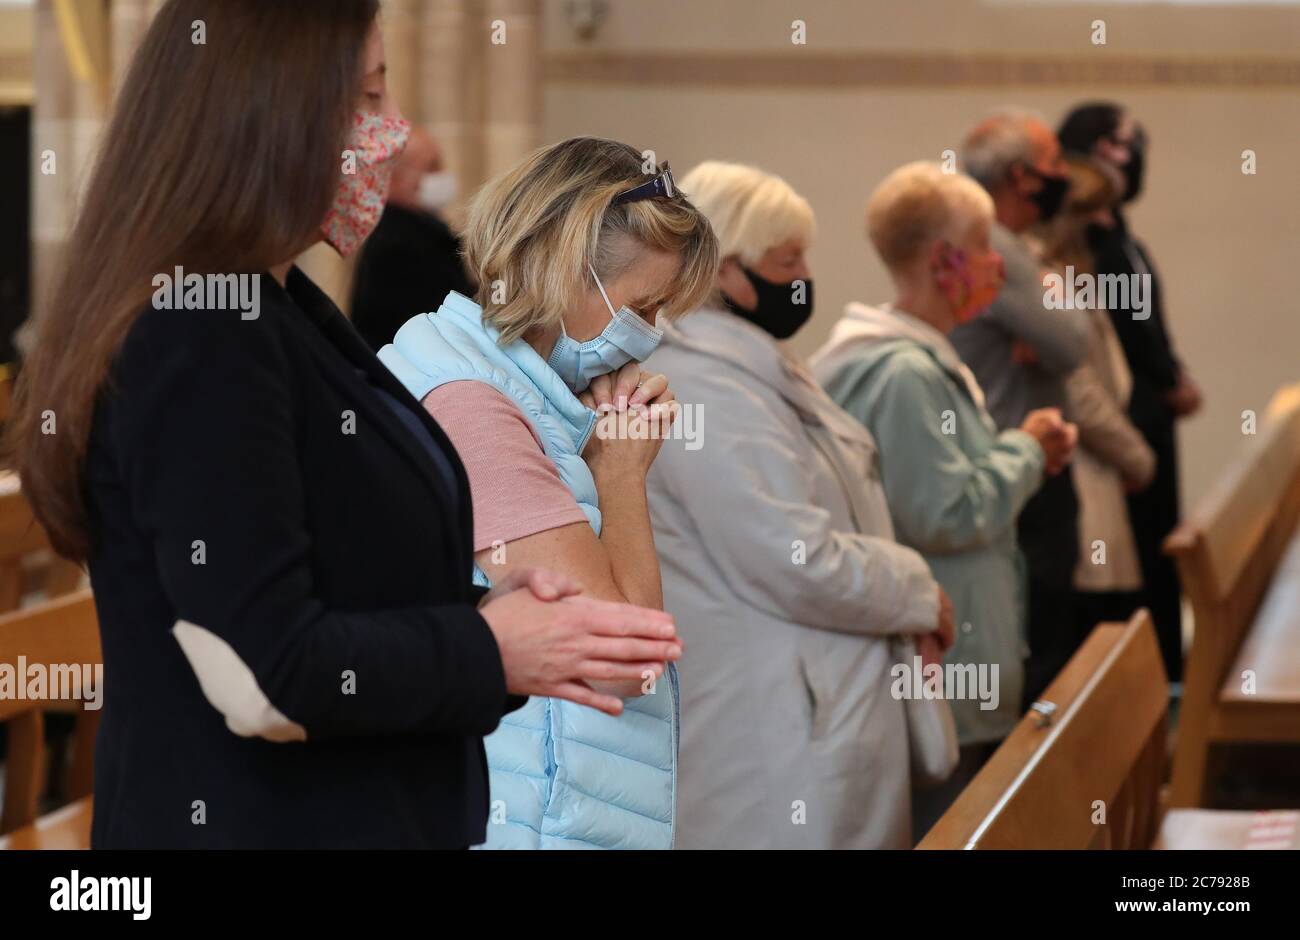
x=751, y=211
x=918, y=204
x=535, y=229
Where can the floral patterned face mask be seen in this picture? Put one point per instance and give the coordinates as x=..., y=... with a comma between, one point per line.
x=374, y=142
x=971, y=282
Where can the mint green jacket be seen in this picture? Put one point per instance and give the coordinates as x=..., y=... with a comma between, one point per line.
x=954, y=486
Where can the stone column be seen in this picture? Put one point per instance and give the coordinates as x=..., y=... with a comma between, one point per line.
x=402, y=33
x=129, y=21
x=53, y=112
x=68, y=120
x=512, y=72
x=451, y=90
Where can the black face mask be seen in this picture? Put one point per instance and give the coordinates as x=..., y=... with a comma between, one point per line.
x=777, y=312
x=1133, y=170
x=1051, y=195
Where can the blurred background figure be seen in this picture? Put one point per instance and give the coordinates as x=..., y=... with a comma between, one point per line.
x=955, y=483
x=413, y=259
x=1021, y=353
x=1113, y=458
x=1163, y=391
x=777, y=548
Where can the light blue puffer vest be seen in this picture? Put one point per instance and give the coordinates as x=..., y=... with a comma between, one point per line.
x=563, y=776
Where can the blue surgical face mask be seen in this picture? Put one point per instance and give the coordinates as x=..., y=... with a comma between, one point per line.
x=627, y=338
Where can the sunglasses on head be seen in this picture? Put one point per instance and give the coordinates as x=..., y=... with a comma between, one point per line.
x=661, y=187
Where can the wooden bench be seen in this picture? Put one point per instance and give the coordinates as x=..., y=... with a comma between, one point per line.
x=1239, y=558
x=1090, y=774
x=6, y=392
x=62, y=830
x=29, y=569
x=64, y=631
x=27, y=563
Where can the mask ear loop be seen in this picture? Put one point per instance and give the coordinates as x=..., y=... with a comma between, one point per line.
x=612, y=311
x=948, y=271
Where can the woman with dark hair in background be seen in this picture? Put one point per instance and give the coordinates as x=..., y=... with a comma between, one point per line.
x=278, y=535
x=1112, y=458
x=1162, y=392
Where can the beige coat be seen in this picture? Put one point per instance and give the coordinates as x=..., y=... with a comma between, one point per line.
x=1110, y=451
x=780, y=565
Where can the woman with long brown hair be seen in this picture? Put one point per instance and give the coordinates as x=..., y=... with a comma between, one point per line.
x=278, y=536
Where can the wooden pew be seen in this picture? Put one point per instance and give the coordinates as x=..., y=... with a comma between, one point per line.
x=6, y=392
x=61, y=631
x=29, y=567
x=20, y=538
x=1090, y=775
x=1239, y=558
x=64, y=829
x=27, y=562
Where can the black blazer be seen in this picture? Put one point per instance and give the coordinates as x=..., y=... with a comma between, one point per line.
x=246, y=481
x=1146, y=343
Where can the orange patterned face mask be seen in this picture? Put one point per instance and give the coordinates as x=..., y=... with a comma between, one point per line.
x=374, y=143
x=971, y=282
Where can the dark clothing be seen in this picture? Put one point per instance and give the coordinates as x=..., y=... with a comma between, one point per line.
x=1155, y=511
x=1105, y=607
x=415, y=425
x=248, y=488
x=1048, y=527
x=1048, y=532
x=408, y=265
x=928, y=806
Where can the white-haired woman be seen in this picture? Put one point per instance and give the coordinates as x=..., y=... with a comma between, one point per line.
x=577, y=250
x=955, y=485
x=778, y=559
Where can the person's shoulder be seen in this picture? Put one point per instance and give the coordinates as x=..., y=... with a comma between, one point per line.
x=701, y=348
x=181, y=301
x=471, y=411
x=1004, y=241
x=225, y=319
x=908, y=369
x=906, y=357
x=407, y=232
x=698, y=377
x=487, y=401
x=986, y=335
x=857, y=369
x=209, y=360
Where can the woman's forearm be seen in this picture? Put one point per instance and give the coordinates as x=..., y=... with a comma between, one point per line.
x=628, y=538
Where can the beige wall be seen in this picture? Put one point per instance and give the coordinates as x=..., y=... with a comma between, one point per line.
x=481, y=96
x=881, y=83
x=885, y=81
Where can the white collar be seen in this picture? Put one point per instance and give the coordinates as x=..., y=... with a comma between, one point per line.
x=886, y=322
